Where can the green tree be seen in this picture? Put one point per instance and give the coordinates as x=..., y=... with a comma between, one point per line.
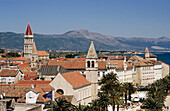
x=2, y=51
x=95, y=105
x=125, y=90
x=104, y=101
x=60, y=105
x=157, y=95
x=110, y=85
x=80, y=107
x=132, y=89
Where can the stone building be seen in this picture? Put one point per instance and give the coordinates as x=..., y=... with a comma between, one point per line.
x=75, y=85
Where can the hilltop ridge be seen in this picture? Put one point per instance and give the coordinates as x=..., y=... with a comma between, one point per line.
x=79, y=40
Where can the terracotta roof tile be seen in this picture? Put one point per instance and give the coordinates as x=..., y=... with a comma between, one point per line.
x=14, y=91
x=76, y=79
x=32, y=82
x=20, y=59
x=42, y=53
x=29, y=73
x=75, y=64
x=119, y=63
x=69, y=64
x=163, y=63
x=41, y=92
x=30, y=78
x=7, y=72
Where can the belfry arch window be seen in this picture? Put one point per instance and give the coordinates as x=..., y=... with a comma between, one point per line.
x=92, y=63
x=88, y=63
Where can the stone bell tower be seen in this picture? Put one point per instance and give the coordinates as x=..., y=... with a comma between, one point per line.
x=92, y=70
x=28, y=42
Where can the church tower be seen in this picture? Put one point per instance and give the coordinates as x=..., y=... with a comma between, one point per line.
x=147, y=53
x=28, y=42
x=34, y=56
x=92, y=70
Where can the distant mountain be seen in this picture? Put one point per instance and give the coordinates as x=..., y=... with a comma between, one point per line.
x=79, y=40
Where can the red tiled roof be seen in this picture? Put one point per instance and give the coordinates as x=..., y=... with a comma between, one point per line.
x=42, y=53
x=7, y=72
x=115, y=57
x=119, y=63
x=41, y=90
x=152, y=55
x=163, y=63
x=29, y=73
x=76, y=79
x=69, y=64
x=14, y=91
x=3, y=53
x=32, y=82
x=75, y=64
x=30, y=78
x=28, y=31
x=20, y=59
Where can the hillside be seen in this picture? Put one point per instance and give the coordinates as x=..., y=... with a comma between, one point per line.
x=79, y=40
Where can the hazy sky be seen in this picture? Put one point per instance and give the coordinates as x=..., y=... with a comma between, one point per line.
x=125, y=18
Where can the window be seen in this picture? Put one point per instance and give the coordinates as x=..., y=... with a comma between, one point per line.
x=103, y=73
x=92, y=63
x=60, y=91
x=42, y=78
x=88, y=63
x=98, y=74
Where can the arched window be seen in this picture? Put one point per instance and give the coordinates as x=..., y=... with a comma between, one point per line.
x=88, y=63
x=60, y=91
x=92, y=63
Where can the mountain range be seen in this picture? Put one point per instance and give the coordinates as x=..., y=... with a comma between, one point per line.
x=79, y=40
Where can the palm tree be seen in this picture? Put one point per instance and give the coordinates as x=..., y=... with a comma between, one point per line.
x=152, y=104
x=132, y=89
x=157, y=95
x=104, y=101
x=108, y=82
x=110, y=85
x=60, y=104
x=95, y=105
x=115, y=99
x=125, y=90
x=80, y=107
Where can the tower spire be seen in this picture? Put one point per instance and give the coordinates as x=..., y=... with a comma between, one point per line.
x=146, y=50
x=34, y=49
x=28, y=31
x=91, y=52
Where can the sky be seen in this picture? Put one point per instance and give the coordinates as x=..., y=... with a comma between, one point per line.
x=119, y=18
